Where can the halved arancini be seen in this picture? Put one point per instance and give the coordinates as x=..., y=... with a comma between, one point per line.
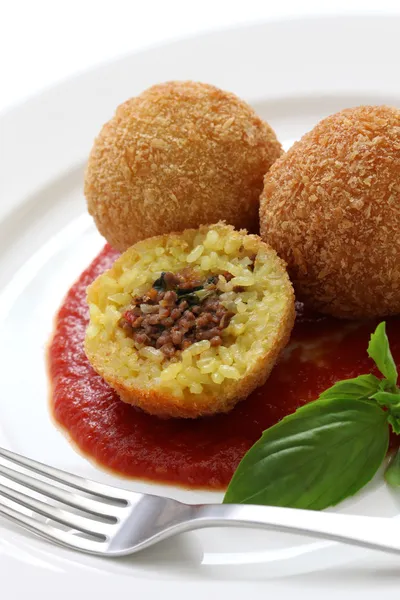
x=187, y=324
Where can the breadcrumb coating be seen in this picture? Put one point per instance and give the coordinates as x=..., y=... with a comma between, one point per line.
x=331, y=208
x=178, y=155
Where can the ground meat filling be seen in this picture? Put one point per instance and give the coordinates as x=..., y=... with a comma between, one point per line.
x=176, y=312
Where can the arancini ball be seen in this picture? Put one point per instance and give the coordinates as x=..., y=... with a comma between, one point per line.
x=331, y=209
x=188, y=324
x=179, y=155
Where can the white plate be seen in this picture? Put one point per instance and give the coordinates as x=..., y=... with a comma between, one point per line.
x=294, y=73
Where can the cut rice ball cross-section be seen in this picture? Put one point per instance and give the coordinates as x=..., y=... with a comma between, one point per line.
x=188, y=324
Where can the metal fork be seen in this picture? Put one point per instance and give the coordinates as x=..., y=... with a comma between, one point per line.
x=109, y=521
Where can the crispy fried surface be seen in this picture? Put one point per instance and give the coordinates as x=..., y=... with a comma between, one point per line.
x=178, y=155
x=164, y=405
x=331, y=208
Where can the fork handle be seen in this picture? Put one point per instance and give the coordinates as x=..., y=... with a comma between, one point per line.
x=377, y=533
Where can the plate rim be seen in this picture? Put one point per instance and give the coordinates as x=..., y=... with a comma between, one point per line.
x=17, y=197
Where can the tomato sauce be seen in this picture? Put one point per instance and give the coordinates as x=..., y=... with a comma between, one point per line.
x=201, y=453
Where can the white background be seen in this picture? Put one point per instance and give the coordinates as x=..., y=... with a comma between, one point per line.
x=42, y=41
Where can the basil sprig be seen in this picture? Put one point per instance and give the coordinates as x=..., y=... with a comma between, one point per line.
x=330, y=448
x=379, y=351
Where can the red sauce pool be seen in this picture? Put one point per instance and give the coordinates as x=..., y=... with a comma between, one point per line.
x=200, y=453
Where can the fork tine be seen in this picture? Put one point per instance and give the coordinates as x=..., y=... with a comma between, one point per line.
x=106, y=492
x=82, y=503
x=51, y=533
x=56, y=514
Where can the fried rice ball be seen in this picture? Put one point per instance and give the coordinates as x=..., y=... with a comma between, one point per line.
x=331, y=208
x=179, y=155
x=187, y=324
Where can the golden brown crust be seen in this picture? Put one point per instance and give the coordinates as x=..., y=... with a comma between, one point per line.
x=178, y=155
x=331, y=208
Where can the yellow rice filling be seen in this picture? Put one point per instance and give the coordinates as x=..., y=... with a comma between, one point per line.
x=257, y=308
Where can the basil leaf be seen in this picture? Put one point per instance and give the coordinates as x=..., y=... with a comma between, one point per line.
x=387, y=399
x=359, y=388
x=191, y=299
x=159, y=284
x=379, y=351
x=391, y=401
x=186, y=291
x=394, y=421
x=324, y=452
x=392, y=473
